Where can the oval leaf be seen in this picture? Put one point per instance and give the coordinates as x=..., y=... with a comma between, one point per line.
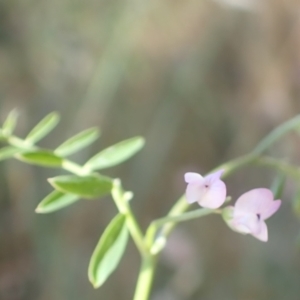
x=10, y=123
x=55, y=201
x=41, y=158
x=42, y=128
x=77, y=142
x=88, y=186
x=108, y=251
x=8, y=152
x=115, y=154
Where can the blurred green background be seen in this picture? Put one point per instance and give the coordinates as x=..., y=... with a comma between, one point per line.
x=203, y=81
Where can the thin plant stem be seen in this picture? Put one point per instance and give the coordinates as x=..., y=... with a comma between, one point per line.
x=160, y=240
x=276, y=134
x=197, y=213
x=145, y=279
x=132, y=224
x=281, y=166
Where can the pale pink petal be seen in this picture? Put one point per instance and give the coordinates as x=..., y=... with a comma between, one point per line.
x=233, y=222
x=268, y=209
x=194, y=192
x=238, y=226
x=192, y=177
x=253, y=201
x=262, y=234
x=250, y=211
x=214, y=195
x=246, y=223
x=214, y=176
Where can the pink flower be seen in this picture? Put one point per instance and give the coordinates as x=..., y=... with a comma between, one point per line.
x=250, y=212
x=208, y=191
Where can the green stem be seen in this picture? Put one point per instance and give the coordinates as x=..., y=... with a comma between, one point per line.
x=197, y=213
x=123, y=206
x=235, y=164
x=145, y=279
x=159, y=242
x=19, y=143
x=136, y=233
x=276, y=134
x=280, y=166
x=74, y=168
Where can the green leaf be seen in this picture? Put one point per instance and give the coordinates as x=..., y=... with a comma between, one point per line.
x=10, y=123
x=77, y=142
x=108, y=251
x=8, y=152
x=115, y=154
x=91, y=186
x=55, y=201
x=42, y=128
x=41, y=158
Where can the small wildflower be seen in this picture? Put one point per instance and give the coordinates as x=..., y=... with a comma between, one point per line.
x=208, y=191
x=250, y=212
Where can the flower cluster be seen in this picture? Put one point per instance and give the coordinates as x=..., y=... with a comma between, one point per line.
x=250, y=211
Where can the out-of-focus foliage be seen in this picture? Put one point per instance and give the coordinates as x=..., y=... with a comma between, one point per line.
x=75, y=143
x=115, y=154
x=203, y=81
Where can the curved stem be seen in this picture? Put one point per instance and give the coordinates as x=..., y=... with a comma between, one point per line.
x=197, y=213
x=235, y=164
x=74, y=168
x=280, y=166
x=132, y=224
x=160, y=241
x=19, y=143
x=276, y=134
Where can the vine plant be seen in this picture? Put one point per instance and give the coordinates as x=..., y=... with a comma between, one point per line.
x=85, y=182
